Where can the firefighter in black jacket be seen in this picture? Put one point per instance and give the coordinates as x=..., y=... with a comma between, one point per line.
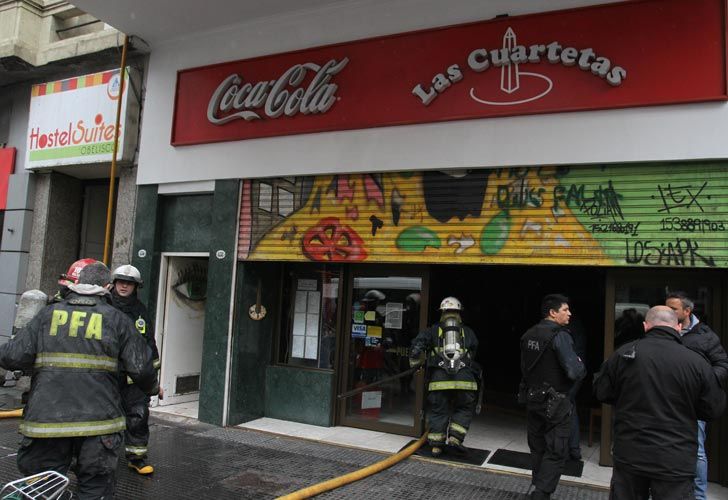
x=549, y=367
x=450, y=347
x=76, y=348
x=659, y=389
x=136, y=403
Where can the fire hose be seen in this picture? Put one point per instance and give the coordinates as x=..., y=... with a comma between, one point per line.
x=337, y=482
x=370, y=470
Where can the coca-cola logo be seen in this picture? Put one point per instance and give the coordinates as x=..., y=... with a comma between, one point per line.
x=235, y=99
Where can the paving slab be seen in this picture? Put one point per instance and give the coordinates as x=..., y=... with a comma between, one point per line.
x=195, y=460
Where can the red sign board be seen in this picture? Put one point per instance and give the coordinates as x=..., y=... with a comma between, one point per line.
x=635, y=53
x=7, y=166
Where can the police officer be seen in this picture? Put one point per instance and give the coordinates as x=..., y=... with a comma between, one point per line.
x=450, y=347
x=76, y=348
x=126, y=280
x=549, y=367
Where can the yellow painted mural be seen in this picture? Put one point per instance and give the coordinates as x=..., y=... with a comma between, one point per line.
x=351, y=218
x=655, y=215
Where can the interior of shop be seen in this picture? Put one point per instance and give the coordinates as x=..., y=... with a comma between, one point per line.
x=502, y=302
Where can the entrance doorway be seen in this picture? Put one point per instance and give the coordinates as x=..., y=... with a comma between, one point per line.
x=183, y=290
x=500, y=304
x=630, y=294
x=387, y=308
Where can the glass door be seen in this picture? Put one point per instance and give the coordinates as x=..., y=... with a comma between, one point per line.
x=386, y=311
x=630, y=294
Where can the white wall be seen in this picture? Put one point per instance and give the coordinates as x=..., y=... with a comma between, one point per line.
x=695, y=131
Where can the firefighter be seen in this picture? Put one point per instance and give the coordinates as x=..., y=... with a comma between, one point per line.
x=76, y=348
x=126, y=281
x=450, y=347
x=70, y=277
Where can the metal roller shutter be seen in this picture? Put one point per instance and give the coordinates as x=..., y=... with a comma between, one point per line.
x=668, y=215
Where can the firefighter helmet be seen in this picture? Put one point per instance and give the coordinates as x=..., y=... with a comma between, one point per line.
x=127, y=272
x=373, y=296
x=450, y=304
x=70, y=277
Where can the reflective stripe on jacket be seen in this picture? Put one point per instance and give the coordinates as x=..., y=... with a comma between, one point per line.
x=76, y=349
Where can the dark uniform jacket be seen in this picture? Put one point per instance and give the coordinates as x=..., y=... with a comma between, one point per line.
x=430, y=341
x=659, y=389
x=76, y=348
x=137, y=312
x=702, y=339
x=558, y=366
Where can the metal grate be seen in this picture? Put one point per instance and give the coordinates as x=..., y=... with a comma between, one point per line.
x=187, y=383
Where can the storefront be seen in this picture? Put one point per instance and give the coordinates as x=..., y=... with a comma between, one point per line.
x=313, y=207
x=69, y=145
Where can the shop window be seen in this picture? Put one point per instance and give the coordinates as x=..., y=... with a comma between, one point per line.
x=265, y=197
x=285, y=202
x=310, y=314
x=633, y=300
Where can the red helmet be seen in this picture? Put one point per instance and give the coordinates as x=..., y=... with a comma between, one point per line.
x=70, y=277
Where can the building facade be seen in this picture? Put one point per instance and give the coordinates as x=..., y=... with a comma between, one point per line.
x=312, y=183
x=59, y=83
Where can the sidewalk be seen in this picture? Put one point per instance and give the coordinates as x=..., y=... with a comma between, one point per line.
x=200, y=461
x=195, y=460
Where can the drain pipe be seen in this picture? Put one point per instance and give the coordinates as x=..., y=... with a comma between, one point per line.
x=337, y=482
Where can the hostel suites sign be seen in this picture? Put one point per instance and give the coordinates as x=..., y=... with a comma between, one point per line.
x=636, y=53
x=72, y=121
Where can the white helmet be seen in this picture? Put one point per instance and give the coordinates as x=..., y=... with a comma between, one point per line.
x=450, y=304
x=128, y=272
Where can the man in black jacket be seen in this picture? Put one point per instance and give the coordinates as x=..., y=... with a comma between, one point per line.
x=77, y=347
x=659, y=388
x=126, y=280
x=550, y=368
x=699, y=337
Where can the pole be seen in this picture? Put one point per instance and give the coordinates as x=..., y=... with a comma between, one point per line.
x=112, y=175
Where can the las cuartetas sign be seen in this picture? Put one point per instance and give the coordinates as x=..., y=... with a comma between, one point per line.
x=510, y=57
x=599, y=57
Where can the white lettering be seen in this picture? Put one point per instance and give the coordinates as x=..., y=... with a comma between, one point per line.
x=553, y=53
x=568, y=56
x=425, y=97
x=478, y=60
x=601, y=66
x=283, y=96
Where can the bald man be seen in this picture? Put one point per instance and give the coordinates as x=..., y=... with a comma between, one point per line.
x=658, y=388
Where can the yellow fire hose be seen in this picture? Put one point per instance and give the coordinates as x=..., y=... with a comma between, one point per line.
x=337, y=482
x=11, y=413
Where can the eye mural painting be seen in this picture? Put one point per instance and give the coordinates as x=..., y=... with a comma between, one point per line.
x=616, y=215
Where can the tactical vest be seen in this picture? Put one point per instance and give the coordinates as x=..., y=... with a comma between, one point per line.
x=548, y=369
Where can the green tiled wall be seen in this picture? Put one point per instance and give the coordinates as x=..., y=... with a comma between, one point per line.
x=299, y=394
x=220, y=235
x=253, y=340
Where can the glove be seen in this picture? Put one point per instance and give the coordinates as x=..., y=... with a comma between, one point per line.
x=415, y=362
x=415, y=357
